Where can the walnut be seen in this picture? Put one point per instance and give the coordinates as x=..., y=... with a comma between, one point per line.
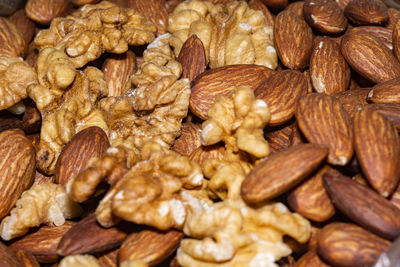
x=95, y=29
x=79, y=261
x=231, y=233
x=133, y=263
x=155, y=105
x=238, y=121
x=67, y=100
x=43, y=203
x=151, y=191
x=231, y=34
x=15, y=76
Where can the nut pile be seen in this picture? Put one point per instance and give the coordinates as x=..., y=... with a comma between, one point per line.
x=199, y=133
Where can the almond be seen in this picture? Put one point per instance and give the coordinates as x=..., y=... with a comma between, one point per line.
x=221, y=81
x=43, y=243
x=17, y=166
x=83, y=2
x=395, y=199
x=325, y=16
x=281, y=171
x=109, y=259
x=281, y=92
x=8, y=258
x=88, y=237
x=25, y=26
x=44, y=11
x=31, y=120
x=118, y=70
x=293, y=40
x=155, y=11
x=259, y=5
x=353, y=100
x=88, y=143
x=297, y=8
x=345, y=244
x=203, y=153
x=343, y=3
x=377, y=147
x=363, y=205
x=385, y=35
x=9, y=121
x=189, y=140
x=324, y=121
x=310, y=259
x=385, y=92
x=329, y=71
x=151, y=246
x=396, y=40
x=366, y=12
x=394, y=16
x=280, y=138
x=310, y=198
x=275, y=4
x=369, y=57
x=192, y=58
x=27, y=258
x=12, y=42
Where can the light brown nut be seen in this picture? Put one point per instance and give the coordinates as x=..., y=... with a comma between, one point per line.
x=43, y=12
x=329, y=71
x=384, y=34
x=281, y=92
x=345, y=244
x=310, y=198
x=366, y=12
x=323, y=120
x=280, y=138
x=192, y=58
x=325, y=16
x=369, y=57
x=27, y=258
x=151, y=246
x=12, y=42
x=109, y=259
x=395, y=199
x=87, y=236
x=118, y=70
x=203, y=153
x=281, y=171
x=310, y=259
x=155, y=11
x=221, y=81
x=83, y=2
x=293, y=40
x=43, y=243
x=259, y=5
x=79, y=261
x=189, y=140
x=88, y=143
x=385, y=92
x=276, y=4
x=377, y=147
x=8, y=258
x=353, y=100
x=17, y=167
x=363, y=205
x=394, y=16
x=25, y=26
x=40, y=178
x=396, y=40
x=296, y=7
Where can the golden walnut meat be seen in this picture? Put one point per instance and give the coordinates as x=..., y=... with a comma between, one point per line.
x=238, y=121
x=231, y=34
x=233, y=234
x=15, y=76
x=45, y=203
x=79, y=261
x=94, y=29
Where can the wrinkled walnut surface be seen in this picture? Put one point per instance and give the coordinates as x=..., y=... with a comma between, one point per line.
x=79, y=261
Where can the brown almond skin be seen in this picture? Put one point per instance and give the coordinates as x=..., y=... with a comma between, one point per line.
x=203, y=153
x=43, y=12
x=395, y=199
x=110, y=259
x=323, y=120
x=329, y=71
x=259, y=5
x=88, y=143
x=396, y=40
x=221, y=81
x=151, y=246
x=377, y=147
x=154, y=10
x=310, y=198
x=43, y=243
x=12, y=42
x=364, y=206
x=118, y=70
x=189, y=140
x=385, y=92
x=363, y=12
x=17, y=167
x=310, y=259
x=8, y=258
x=293, y=40
x=384, y=34
x=281, y=92
x=88, y=237
x=23, y=24
x=296, y=7
x=9, y=121
x=275, y=4
x=27, y=258
x=345, y=244
x=368, y=56
x=353, y=100
x=280, y=138
x=394, y=16
x=281, y=171
x=192, y=58
x=325, y=16
x=343, y=3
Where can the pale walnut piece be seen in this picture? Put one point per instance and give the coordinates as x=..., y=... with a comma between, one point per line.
x=15, y=76
x=95, y=29
x=233, y=234
x=231, y=34
x=133, y=263
x=152, y=192
x=67, y=100
x=79, y=261
x=42, y=204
